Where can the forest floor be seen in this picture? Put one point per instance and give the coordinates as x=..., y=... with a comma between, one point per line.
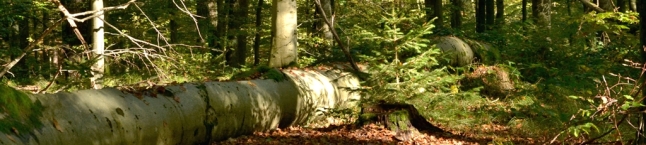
x=350, y=135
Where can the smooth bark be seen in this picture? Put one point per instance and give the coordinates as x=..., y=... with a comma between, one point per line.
x=98, y=46
x=256, y=40
x=456, y=15
x=500, y=13
x=434, y=10
x=524, y=10
x=490, y=13
x=323, y=28
x=480, y=16
x=172, y=26
x=242, y=13
x=190, y=113
x=284, y=33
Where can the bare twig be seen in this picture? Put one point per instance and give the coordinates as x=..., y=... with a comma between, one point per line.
x=605, y=133
x=185, y=10
x=96, y=13
x=154, y=27
x=58, y=72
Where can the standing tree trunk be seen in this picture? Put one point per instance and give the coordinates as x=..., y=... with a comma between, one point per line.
x=500, y=13
x=256, y=40
x=541, y=12
x=97, y=46
x=642, y=38
x=283, y=29
x=22, y=69
x=490, y=13
x=524, y=11
x=456, y=15
x=326, y=33
x=435, y=9
x=172, y=26
x=208, y=10
x=438, y=12
x=241, y=13
x=541, y=15
x=480, y=16
x=428, y=5
x=221, y=27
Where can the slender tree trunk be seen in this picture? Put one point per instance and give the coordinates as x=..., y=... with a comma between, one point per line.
x=500, y=13
x=480, y=16
x=524, y=11
x=541, y=10
x=490, y=13
x=22, y=69
x=439, y=14
x=202, y=7
x=642, y=38
x=323, y=28
x=172, y=26
x=97, y=46
x=46, y=68
x=256, y=40
x=241, y=20
x=434, y=9
x=231, y=32
x=284, y=24
x=221, y=27
x=456, y=15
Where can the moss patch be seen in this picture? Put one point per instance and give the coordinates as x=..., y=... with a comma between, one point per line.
x=260, y=72
x=17, y=112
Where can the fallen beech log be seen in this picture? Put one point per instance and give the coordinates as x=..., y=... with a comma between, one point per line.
x=186, y=113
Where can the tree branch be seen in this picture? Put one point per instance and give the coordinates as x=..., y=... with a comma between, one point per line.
x=593, y=6
x=345, y=49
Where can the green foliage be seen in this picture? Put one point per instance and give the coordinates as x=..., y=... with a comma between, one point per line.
x=17, y=111
x=406, y=70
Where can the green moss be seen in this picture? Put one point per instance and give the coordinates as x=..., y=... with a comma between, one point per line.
x=398, y=120
x=17, y=112
x=275, y=75
x=265, y=72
